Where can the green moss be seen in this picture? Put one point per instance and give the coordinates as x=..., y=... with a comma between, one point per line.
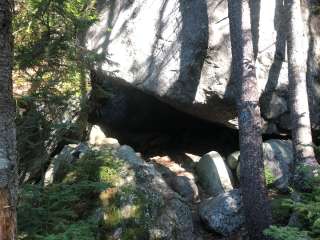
x=129, y=209
x=269, y=176
x=96, y=166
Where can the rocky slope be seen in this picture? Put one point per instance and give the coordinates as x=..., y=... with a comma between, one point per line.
x=167, y=196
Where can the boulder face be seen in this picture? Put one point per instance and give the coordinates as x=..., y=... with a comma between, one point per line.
x=278, y=163
x=224, y=213
x=214, y=176
x=183, y=58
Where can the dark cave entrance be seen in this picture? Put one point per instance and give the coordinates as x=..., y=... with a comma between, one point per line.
x=151, y=126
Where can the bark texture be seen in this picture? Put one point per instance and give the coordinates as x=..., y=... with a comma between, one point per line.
x=7, y=127
x=254, y=193
x=300, y=116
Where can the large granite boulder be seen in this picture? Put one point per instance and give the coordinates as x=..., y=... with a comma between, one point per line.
x=224, y=213
x=213, y=174
x=179, y=52
x=278, y=163
x=171, y=216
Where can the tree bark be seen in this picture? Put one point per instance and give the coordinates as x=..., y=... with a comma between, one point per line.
x=7, y=127
x=252, y=181
x=300, y=116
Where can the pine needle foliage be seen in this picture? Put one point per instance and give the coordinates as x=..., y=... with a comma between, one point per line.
x=307, y=210
x=50, y=77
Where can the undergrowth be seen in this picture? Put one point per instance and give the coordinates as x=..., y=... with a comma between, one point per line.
x=92, y=201
x=307, y=214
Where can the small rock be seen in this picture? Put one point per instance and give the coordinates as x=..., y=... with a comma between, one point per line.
x=233, y=160
x=67, y=156
x=193, y=158
x=277, y=158
x=186, y=187
x=275, y=107
x=111, y=142
x=213, y=174
x=96, y=136
x=80, y=150
x=223, y=214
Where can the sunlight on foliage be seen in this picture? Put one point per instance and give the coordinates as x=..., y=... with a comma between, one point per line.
x=89, y=203
x=50, y=75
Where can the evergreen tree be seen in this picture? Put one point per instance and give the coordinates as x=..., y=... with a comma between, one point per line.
x=252, y=181
x=8, y=189
x=300, y=117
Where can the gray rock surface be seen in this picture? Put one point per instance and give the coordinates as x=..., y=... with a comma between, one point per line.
x=172, y=217
x=127, y=153
x=213, y=174
x=223, y=214
x=98, y=138
x=275, y=107
x=278, y=161
x=186, y=187
x=182, y=57
x=233, y=160
x=164, y=214
x=57, y=168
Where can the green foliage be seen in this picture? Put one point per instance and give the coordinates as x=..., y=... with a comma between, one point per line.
x=281, y=209
x=95, y=198
x=49, y=56
x=307, y=209
x=286, y=233
x=268, y=176
x=57, y=209
x=78, y=231
x=50, y=77
x=304, y=179
x=64, y=210
x=48, y=34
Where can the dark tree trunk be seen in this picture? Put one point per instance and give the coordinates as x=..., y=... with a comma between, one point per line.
x=252, y=182
x=7, y=128
x=300, y=116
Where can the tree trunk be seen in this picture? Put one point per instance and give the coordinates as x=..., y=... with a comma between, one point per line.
x=252, y=182
x=7, y=128
x=300, y=116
